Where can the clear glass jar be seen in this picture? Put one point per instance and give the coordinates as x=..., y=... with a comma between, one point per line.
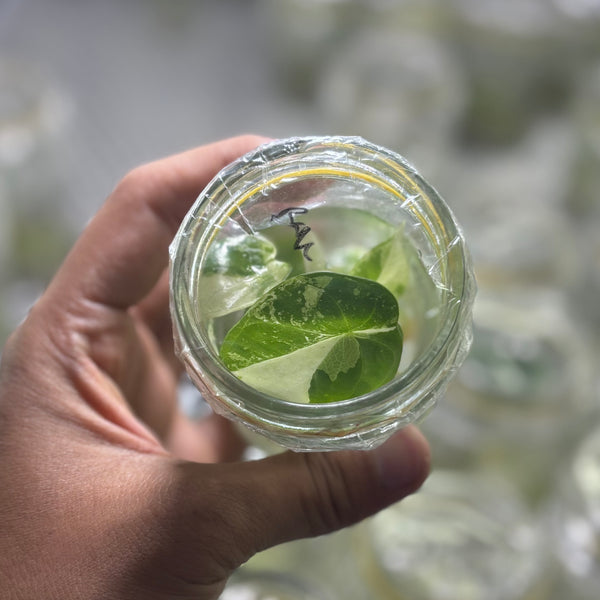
x=364, y=185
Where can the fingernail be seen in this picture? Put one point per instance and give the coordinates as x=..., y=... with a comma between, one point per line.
x=403, y=461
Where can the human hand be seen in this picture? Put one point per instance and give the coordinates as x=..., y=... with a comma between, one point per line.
x=106, y=490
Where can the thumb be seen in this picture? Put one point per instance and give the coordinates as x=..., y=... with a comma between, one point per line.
x=243, y=508
x=310, y=494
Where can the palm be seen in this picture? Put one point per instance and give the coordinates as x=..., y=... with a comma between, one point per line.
x=143, y=364
x=134, y=350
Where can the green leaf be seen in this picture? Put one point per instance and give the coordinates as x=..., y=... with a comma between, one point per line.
x=317, y=337
x=239, y=255
x=372, y=361
x=396, y=264
x=388, y=263
x=236, y=272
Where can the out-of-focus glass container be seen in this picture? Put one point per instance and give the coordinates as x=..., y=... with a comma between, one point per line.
x=576, y=520
x=523, y=396
x=582, y=200
x=405, y=15
x=301, y=33
x=510, y=202
x=491, y=39
x=401, y=89
x=522, y=249
x=580, y=25
x=316, y=562
x=355, y=191
x=35, y=232
x=270, y=585
x=462, y=536
x=34, y=115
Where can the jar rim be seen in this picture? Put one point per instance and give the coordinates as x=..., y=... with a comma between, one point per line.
x=365, y=419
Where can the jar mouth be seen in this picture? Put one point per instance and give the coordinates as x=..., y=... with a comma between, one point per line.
x=404, y=197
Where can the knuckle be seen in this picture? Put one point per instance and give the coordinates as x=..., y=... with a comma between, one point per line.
x=129, y=186
x=330, y=502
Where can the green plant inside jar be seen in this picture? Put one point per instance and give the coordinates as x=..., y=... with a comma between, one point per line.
x=314, y=307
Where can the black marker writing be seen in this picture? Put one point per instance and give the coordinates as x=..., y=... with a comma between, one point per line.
x=301, y=229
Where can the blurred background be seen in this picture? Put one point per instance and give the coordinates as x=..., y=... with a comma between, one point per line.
x=497, y=103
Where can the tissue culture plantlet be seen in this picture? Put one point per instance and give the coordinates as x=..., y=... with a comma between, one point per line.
x=265, y=266
x=320, y=327
x=317, y=337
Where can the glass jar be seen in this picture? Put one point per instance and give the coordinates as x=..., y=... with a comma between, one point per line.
x=357, y=191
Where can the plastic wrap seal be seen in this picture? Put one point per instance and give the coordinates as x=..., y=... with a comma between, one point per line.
x=357, y=189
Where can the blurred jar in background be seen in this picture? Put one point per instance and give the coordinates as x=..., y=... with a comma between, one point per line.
x=5, y=247
x=525, y=391
x=582, y=199
x=5, y=227
x=576, y=522
x=518, y=240
x=519, y=403
x=34, y=117
x=327, y=565
x=524, y=396
x=580, y=25
x=306, y=32
x=517, y=65
x=34, y=114
x=300, y=33
x=270, y=585
x=462, y=536
x=399, y=88
x=405, y=15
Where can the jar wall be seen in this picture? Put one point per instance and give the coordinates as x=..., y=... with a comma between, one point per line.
x=359, y=187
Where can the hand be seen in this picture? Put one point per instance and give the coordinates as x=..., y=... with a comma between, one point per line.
x=106, y=490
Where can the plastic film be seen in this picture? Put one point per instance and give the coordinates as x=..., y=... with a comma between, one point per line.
x=316, y=204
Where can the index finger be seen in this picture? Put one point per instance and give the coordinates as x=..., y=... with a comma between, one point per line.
x=124, y=249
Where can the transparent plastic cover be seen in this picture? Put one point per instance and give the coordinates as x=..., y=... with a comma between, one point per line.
x=321, y=292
